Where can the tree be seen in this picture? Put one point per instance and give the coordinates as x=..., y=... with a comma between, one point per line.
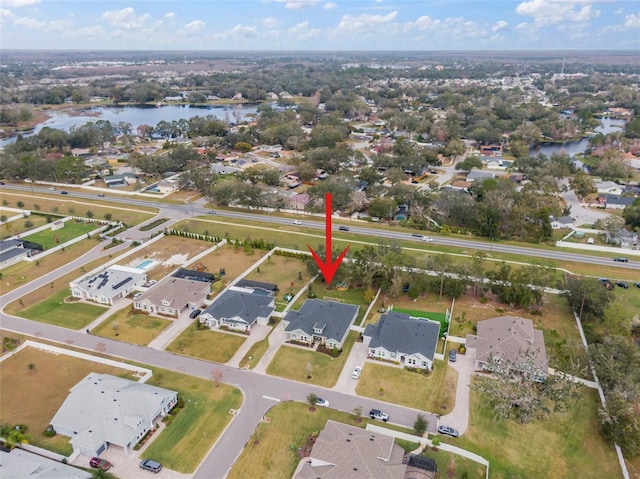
x=216, y=376
x=108, y=216
x=587, y=297
x=519, y=390
x=89, y=214
x=382, y=207
x=357, y=412
x=311, y=401
x=469, y=163
x=420, y=425
x=582, y=184
x=20, y=204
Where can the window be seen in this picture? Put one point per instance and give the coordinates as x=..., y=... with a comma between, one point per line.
x=393, y=355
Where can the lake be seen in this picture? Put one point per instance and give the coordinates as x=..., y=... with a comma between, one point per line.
x=142, y=115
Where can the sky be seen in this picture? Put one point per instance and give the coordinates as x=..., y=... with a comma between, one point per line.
x=392, y=25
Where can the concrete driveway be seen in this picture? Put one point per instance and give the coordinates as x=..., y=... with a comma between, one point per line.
x=459, y=417
x=358, y=356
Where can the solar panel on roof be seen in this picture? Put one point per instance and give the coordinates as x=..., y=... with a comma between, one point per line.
x=122, y=283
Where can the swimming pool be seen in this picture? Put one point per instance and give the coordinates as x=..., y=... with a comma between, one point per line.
x=146, y=264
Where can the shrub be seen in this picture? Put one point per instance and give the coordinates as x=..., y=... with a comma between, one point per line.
x=462, y=349
x=49, y=431
x=180, y=403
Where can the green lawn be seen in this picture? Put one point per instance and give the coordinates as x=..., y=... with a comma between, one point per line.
x=72, y=229
x=207, y=344
x=457, y=466
x=272, y=450
x=128, y=326
x=185, y=442
x=54, y=310
x=435, y=393
x=564, y=446
x=297, y=363
x=18, y=227
x=439, y=317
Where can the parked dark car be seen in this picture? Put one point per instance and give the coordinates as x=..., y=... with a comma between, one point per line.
x=637, y=285
x=149, y=465
x=195, y=313
x=343, y=228
x=448, y=431
x=453, y=356
x=622, y=284
x=621, y=259
x=99, y=463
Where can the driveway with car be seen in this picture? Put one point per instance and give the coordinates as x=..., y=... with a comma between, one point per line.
x=458, y=418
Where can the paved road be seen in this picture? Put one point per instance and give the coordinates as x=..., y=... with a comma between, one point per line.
x=176, y=212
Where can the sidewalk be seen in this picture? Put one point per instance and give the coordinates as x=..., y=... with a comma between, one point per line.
x=167, y=336
x=276, y=339
x=258, y=333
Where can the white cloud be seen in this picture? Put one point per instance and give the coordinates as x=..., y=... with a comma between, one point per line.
x=522, y=26
x=546, y=12
x=28, y=22
x=59, y=25
x=299, y=4
x=619, y=11
x=361, y=23
x=169, y=15
x=193, y=27
x=632, y=21
x=125, y=18
x=269, y=22
x=424, y=23
x=6, y=14
x=499, y=25
x=302, y=31
x=94, y=31
x=330, y=6
x=19, y=3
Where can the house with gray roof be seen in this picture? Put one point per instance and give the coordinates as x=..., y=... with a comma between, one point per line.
x=238, y=309
x=615, y=202
x=317, y=320
x=342, y=451
x=104, y=410
x=401, y=338
x=21, y=464
x=562, y=222
x=173, y=295
x=506, y=340
x=14, y=250
x=108, y=285
x=480, y=175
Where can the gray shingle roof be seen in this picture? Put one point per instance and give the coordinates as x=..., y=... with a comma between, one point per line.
x=332, y=318
x=176, y=292
x=237, y=304
x=399, y=332
x=19, y=464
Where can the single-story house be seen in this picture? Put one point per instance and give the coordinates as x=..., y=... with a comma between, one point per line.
x=562, y=223
x=220, y=169
x=168, y=186
x=195, y=275
x=259, y=287
x=615, y=201
x=113, y=283
x=343, y=451
x=480, y=175
x=506, y=339
x=401, y=338
x=319, y=320
x=104, y=410
x=609, y=187
x=21, y=464
x=239, y=309
x=173, y=295
x=120, y=180
x=14, y=250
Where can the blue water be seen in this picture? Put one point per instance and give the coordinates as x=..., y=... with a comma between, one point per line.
x=145, y=264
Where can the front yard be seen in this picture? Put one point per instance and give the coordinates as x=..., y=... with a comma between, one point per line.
x=207, y=344
x=299, y=363
x=131, y=327
x=435, y=392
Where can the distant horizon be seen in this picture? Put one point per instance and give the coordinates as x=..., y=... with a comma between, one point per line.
x=335, y=25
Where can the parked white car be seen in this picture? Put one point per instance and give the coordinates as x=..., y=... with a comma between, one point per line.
x=356, y=372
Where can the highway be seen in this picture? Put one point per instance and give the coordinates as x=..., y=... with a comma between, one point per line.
x=179, y=211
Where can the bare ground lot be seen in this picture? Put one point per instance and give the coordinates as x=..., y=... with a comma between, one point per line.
x=42, y=390
x=289, y=274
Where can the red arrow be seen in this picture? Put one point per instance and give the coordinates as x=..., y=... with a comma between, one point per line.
x=328, y=269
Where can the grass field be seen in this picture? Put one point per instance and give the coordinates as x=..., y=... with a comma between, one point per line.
x=564, y=446
x=272, y=450
x=72, y=229
x=290, y=274
x=297, y=363
x=233, y=259
x=32, y=396
x=68, y=205
x=128, y=326
x=18, y=227
x=435, y=393
x=54, y=310
x=183, y=444
x=207, y=344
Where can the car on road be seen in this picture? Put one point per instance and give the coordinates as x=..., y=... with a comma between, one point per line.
x=622, y=284
x=343, y=228
x=427, y=238
x=1, y=183
x=101, y=195
x=211, y=212
x=99, y=463
x=621, y=259
x=63, y=192
x=448, y=431
x=379, y=415
x=322, y=402
x=149, y=465
x=195, y=313
x=297, y=222
x=356, y=372
x=51, y=188
x=453, y=356
x=417, y=235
